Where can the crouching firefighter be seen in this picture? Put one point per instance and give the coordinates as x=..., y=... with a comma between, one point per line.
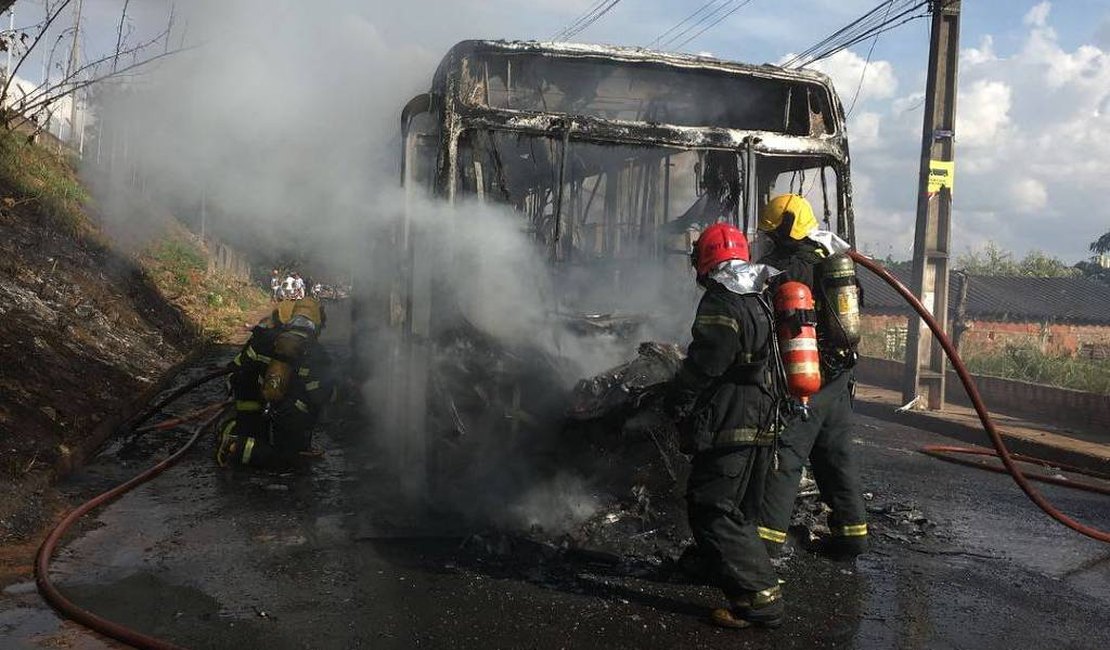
x=280, y=385
x=824, y=436
x=726, y=398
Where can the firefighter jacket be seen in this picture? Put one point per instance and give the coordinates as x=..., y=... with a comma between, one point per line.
x=723, y=394
x=799, y=261
x=309, y=390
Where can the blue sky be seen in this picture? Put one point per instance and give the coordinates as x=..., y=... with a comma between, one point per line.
x=1033, y=136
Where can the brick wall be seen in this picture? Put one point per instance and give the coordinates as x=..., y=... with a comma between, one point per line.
x=1009, y=396
x=1088, y=341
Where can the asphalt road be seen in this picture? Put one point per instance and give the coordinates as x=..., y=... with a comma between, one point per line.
x=210, y=558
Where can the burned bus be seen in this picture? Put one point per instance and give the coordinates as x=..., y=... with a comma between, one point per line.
x=612, y=160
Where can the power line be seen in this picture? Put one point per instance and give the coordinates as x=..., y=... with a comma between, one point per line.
x=593, y=20
x=679, y=24
x=855, y=24
x=866, y=26
x=867, y=62
x=711, y=18
x=600, y=9
x=714, y=23
x=577, y=21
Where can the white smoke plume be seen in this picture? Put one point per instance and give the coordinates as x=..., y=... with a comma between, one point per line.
x=283, y=118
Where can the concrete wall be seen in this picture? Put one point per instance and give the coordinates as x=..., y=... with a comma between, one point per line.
x=1009, y=396
x=225, y=259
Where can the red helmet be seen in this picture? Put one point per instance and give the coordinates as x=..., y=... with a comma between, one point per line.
x=718, y=243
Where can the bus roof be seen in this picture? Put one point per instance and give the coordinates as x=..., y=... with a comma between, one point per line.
x=631, y=54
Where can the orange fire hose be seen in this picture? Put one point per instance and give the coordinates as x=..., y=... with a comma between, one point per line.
x=188, y=417
x=977, y=402
x=941, y=452
x=47, y=588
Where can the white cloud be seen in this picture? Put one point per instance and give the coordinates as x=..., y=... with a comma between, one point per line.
x=846, y=68
x=1038, y=15
x=1032, y=148
x=863, y=129
x=983, y=113
x=1028, y=195
x=973, y=56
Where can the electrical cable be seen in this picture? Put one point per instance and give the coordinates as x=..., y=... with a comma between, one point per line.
x=977, y=402
x=682, y=22
x=707, y=18
x=574, y=23
x=714, y=23
x=885, y=28
x=831, y=37
x=583, y=25
x=868, y=25
x=867, y=62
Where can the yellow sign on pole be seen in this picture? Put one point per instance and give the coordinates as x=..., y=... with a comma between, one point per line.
x=942, y=173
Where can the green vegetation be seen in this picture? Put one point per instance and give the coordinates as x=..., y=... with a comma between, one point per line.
x=992, y=260
x=217, y=302
x=1026, y=362
x=33, y=175
x=43, y=185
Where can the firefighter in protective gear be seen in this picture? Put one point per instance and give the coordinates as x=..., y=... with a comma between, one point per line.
x=280, y=385
x=825, y=437
x=723, y=399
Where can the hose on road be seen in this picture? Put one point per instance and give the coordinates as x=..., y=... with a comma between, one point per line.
x=977, y=402
x=942, y=452
x=50, y=592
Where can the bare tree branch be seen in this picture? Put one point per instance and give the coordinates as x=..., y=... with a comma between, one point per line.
x=37, y=94
x=46, y=27
x=119, y=34
x=42, y=101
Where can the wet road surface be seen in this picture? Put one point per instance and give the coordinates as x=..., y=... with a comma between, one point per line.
x=210, y=558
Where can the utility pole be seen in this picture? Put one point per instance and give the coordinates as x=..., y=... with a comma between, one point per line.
x=925, y=363
x=74, y=66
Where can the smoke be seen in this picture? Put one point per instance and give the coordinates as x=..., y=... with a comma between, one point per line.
x=283, y=123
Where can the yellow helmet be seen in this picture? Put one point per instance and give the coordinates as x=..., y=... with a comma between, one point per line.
x=295, y=312
x=774, y=213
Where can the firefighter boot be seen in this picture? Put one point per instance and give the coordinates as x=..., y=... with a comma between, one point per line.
x=762, y=608
x=227, y=445
x=844, y=544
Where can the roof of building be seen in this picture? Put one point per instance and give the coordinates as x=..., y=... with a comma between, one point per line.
x=1006, y=298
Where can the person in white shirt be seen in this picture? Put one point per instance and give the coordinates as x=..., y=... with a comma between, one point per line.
x=287, y=288
x=275, y=286
x=298, y=287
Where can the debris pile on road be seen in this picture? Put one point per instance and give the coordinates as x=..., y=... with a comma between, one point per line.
x=908, y=522
x=627, y=385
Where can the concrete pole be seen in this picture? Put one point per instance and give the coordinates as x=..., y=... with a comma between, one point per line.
x=925, y=362
x=74, y=65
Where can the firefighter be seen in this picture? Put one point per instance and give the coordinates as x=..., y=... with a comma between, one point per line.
x=815, y=258
x=280, y=385
x=724, y=400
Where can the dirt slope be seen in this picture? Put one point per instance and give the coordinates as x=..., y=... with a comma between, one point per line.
x=84, y=329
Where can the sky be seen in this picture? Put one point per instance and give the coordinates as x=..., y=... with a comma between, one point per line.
x=1033, y=115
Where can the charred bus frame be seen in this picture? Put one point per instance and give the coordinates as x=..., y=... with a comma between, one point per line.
x=530, y=124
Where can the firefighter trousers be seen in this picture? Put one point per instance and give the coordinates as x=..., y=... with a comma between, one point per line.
x=723, y=496
x=826, y=440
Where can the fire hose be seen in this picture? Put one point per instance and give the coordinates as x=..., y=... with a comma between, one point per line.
x=47, y=588
x=1003, y=453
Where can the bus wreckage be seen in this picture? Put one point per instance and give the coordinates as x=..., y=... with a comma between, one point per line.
x=611, y=161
